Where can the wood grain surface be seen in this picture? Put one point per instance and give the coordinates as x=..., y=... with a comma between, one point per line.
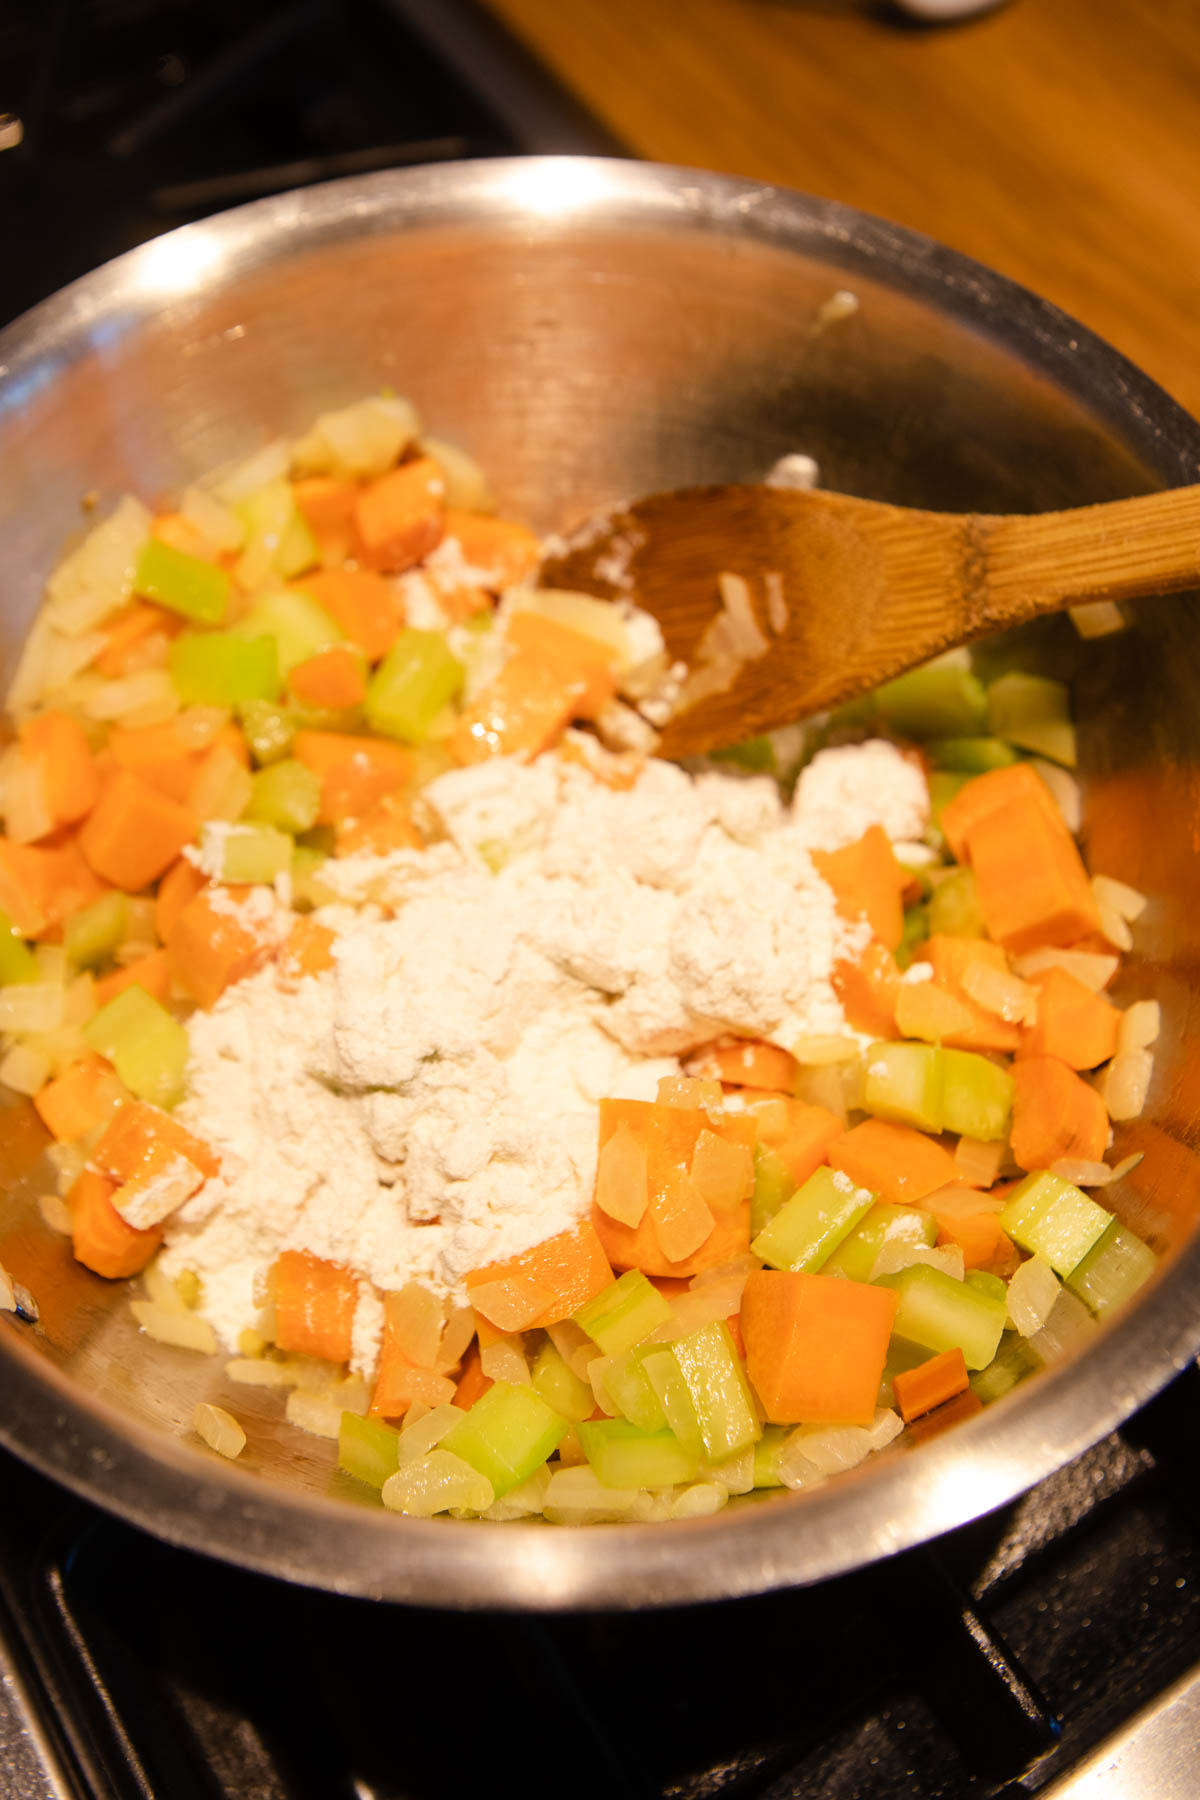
x=1057, y=140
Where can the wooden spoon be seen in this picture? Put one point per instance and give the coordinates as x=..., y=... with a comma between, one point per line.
x=847, y=593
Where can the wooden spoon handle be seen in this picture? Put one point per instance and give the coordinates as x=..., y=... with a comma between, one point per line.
x=1149, y=544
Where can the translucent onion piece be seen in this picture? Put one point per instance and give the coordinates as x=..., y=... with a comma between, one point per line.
x=148, y=697
x=162, y=1290
x=24, y=1070
x=1124, y=1084
x=929, y=1012
x=621, y=1177
x=978, y=1162
x=31, y=1007
x=197, y=726
x=897, y=1253
x=957, y=1200
x=68, y=1162
x=353, y=1395
x=252, y=1371
x=743, y=633
x=222, y=789
x=505, y=1360
x=575, y=1497
x=723, y=1172
x=511, y=1304
x=318, y=1414
x=832, y=1449
x=573, y=1345
x=218, y=524
x=1010, y=998
x=8, y=1296
x=817, y=1051
x=467, y=487
x=689, y=1092
x=1119, y=895
x=700, y=1501
x=1097, y=618
x=456, y=1338
x=55, y=1213
x=97, y=577
x=1032, y=1296
x=736, y=1473
x=1127, y=1164
x=1140, y=1024
x=1069, y=1325
x=29, y=681
x=415, y=1318
x=423, y=1434
x=1094, y=969
x=1113, y=926
x=219, y=1429
x=245, y=478
x=436, y=1483
x=185, y=1330
x=26, y=809
x=360, y=440
x=1082, y=1174
x=522, y=1502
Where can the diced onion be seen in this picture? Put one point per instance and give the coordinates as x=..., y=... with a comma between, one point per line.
x=185, y=1330
x=218, y=524
x=744, y=634
x=1093, y=968
x=1082, y=1174
x=245, y=478
x=813, y=1452
x=56, y=1214
x=573, y=1345
x=1127, y=1164
x=8, y=1293
x=28, y=1006
x=456, y=1338
x=24, y=1070
x=219, y=1429
x=436, y=1483
x=1032, y=1295
x=29, y=680
x=1097, y=618
x=318, y=1414
x=162, y=1290
x=896, y=1253
x=27, y=814
x=362, y=440
x=978, y=1162
x=929, y=1012
x=1124, y=1084
x=1010, y=998
x=1068, y=1325
x=736, y=1473
x=1120, y=896
x=467, y=487
x=97, y=577
x=68, y=1162
x=415, y=1318
x=1065, y=789
x=700, y=1501
x=504, y=1360
x=148, y=697
x=522, y=1502
x=427, y=1431
x=574, y=1496
x=253, y=1371
x=1113, y=926
x=1139, y=1027
x=197, y=726
x=816, y=1051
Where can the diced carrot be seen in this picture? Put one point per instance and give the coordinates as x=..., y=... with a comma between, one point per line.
x=326, y=502
x=584, y=664
x=400, y=1382
x=134, y=833
x=867, y=882
x=507, y=552
x=978, y=1236
x=1074, y=1024
x=232, y=738
x=136, y=1130
x=307, y=950
x=334, y=678
x=58, y=744
x=315, y=1302
x=550, y=1282
x=127, y=630
x=214, y=942
x=896, y=1162
x=173, y=529
x=987, y=794
x=155, y=753
x=463, y=602
x=744, y=1062
x=816, y=1346
x=362, y=603
x=930, y=1384
x=69, y=882
x=152, y=971
x=472, y=1383
x=797, y=1131
x=950, y=958
x=401, y=517
x=1055, y=1114
x=1029, y=877
x=101, y=1239
x=867, y=990
x=181, y=883
x=520, y=713
x=356, y=772
x=671, y=1287
x=953, y=1412
x=23, y=890
x=388, y=826
x=79, y=1099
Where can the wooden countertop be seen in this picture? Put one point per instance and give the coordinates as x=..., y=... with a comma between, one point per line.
x=1057, y=140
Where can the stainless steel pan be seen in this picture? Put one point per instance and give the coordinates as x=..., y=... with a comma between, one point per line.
x=592, y=330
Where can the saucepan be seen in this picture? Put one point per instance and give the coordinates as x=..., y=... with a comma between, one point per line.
x=592, y=330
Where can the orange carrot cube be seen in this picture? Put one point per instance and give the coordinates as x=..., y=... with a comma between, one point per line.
x=401, y=517
x=134, y=833
x=816, y=1346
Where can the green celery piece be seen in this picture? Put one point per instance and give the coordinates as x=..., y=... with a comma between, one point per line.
x=943, y=699
x=367, y=1449
x=855, y=1257
x=720, y=1394
x=285, y=794
x=560, y=1387
x=299, y=627
x=624, y=1457
x=674, y=1396
x=185, y=584
x=268, y=730
x=622, y=1314
x=308, y=890
x=508, y=1433
x=1113, y=1269
x=223, y=668
x=808, y=1228
x=324, y=718
x=938, y=1312
x=417, y=678
x=278, y=538
x=773, y=1184
x=628, y=1389
x=1054, y=1220
x=93, y=933
x=970, y=755
x=904, y=1082
x=984, y=1283
x=756, y=754
x=1034, y=712
x=977, y=1095
x=944, y=784
x=954, y=906
x=251, y=854
x=766, y=1456
x=916, y=930
x=17, y=961
x=1013, y=1361
x=146, y=1046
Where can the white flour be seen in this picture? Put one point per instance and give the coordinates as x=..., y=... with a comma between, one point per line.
x=429, y=1105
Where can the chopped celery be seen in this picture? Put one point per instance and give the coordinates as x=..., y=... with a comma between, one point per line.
x=1054, y=1220
x=298, y=626
x=954, y=906
x=146, y=1046
x=674, y=1396
x=916, y=930
x=985, y=1283
x=970, y=755
x=944, y=699
x=17, y=961
x=773, y=1184
x=717, y=1387
x=855, y=1257
x=766, y=1456
x=977, y=1095
x=624, y=1457
x=904, y=1082
x=286, y=794
x=944, y=784
x=622, y=1314
x=1034, y=712
x=1113, y=1269
x=278, y=540
x=756, y=754
x=809, y=1227
x=368, y=1449
x=508, y=1433
x=938, y=1312
x=324, y=718
x=560, y=1387
x=248, y=853
x=268, y=730
x=186, y=584
x=628, y=1388
x=1012, y=1362
x=222, y=668
x=416, y=679
x=94, y=932
x=308, y=889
